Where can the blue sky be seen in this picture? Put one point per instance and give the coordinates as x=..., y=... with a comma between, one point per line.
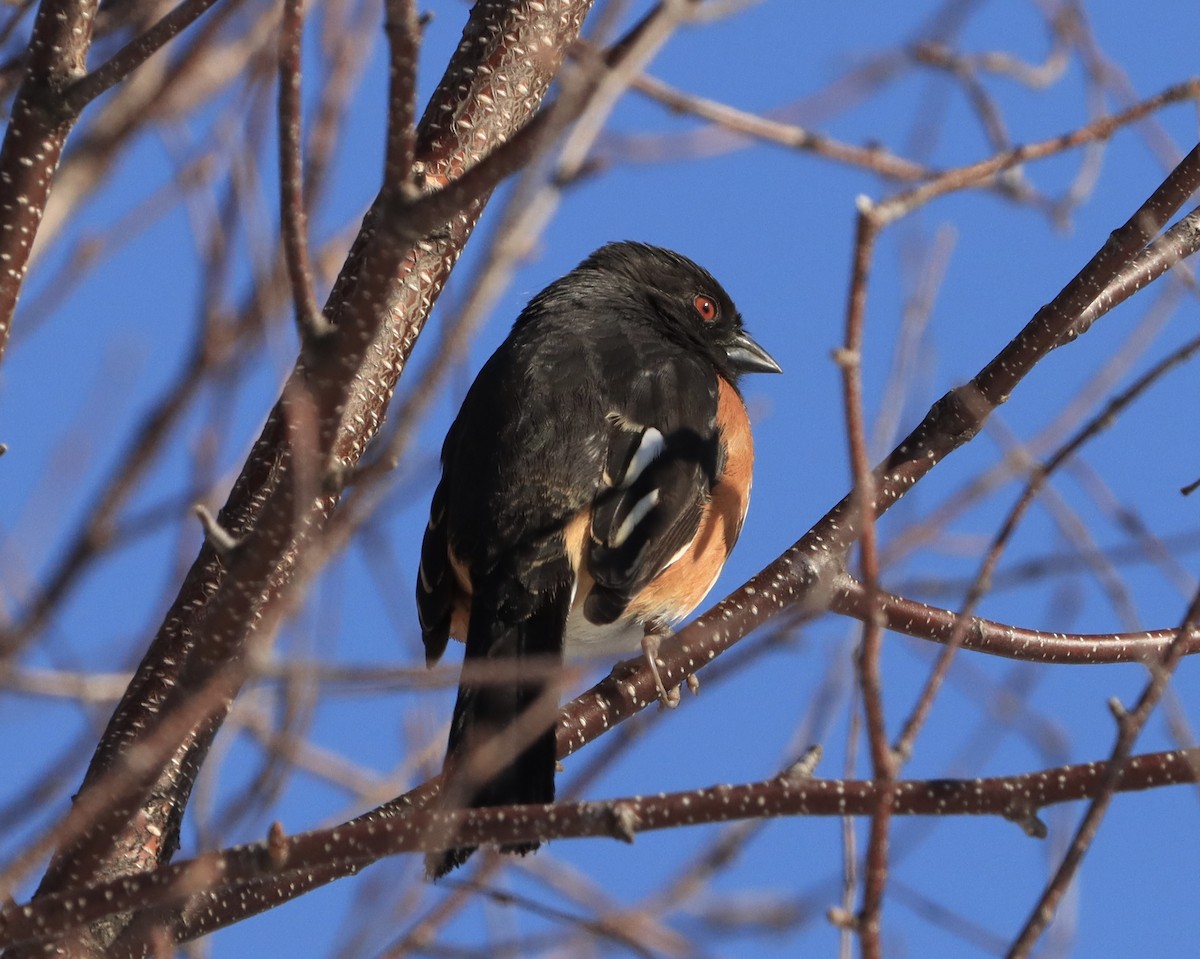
x=776, y=227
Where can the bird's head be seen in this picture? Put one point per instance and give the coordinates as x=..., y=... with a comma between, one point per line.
x=684, y=299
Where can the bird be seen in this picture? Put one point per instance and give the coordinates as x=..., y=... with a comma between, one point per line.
x=592, y=486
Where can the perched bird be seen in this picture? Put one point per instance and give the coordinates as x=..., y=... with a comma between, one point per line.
x=592, y=486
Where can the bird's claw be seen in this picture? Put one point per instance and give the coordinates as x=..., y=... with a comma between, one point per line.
x=667, y=699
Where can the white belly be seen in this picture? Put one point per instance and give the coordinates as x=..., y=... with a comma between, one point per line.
x=584, y=639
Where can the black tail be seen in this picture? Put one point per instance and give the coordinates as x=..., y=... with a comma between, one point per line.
x=502, y=737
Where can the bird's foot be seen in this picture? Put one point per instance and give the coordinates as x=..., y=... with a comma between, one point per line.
x=651, y=642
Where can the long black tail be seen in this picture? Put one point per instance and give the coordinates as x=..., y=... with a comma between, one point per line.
x=502, y=737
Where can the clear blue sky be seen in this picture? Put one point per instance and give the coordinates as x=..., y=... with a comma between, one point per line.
x=776, y=227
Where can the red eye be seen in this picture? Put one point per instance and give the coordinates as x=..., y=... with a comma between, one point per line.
x=705, y=307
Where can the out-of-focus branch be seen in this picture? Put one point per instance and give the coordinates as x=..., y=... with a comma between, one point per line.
x=874, y=158
x=219, y=347
x=134, y=54
x=205, y=64
x=986, y=171
x=870, y=680
x=292, y=212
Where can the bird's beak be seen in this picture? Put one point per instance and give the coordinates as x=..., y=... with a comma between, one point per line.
x=746, y=356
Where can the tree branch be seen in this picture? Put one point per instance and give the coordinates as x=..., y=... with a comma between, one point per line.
x=331, y=406
x=1129, y=727
x=352, y=846
x=1001, y=639
x=292, y=213
x=35, y=136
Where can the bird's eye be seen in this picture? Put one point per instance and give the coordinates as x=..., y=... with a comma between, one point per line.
x=705, y=307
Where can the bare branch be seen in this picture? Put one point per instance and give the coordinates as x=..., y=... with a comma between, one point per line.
x=404, y=35
x=322, y=422
x=883, y=763
x=876, y=159
x=34, y=139
x=1129, y=727
x=354, y=845
x=134, y=54
x=293, y=216
x=1001, y=639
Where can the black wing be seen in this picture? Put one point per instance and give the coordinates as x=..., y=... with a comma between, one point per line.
x=663, y=459
x=518, y=466
x=436, y=586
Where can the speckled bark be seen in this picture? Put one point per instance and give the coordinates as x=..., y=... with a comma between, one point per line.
x=331, y=407
x=792, y=793
x=33, y=142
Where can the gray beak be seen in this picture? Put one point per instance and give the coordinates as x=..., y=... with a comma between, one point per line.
x=746, y=356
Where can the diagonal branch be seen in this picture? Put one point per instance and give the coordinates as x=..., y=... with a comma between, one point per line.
x=1129, y=727
x=331, y=406
x=134, y=54
x=1036, y=483
x=808, y=573
x=35, y=136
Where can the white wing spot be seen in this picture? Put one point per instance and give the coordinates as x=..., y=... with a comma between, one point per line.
x=636, y=515
x=649, y=448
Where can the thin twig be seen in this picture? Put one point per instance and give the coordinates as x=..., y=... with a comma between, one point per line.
x=1129, y=727
x=1039, y=476
x=136, y=52
x=849, y=359
x=403, y=30
x=292, y=213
